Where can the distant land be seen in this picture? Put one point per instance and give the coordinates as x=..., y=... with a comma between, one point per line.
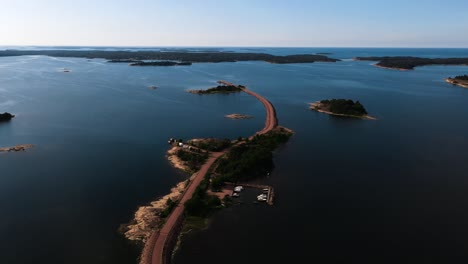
x=194, y=57
x=409, y=63
x=461, y=81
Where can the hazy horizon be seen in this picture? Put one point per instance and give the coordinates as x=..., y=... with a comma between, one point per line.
x=261, y=23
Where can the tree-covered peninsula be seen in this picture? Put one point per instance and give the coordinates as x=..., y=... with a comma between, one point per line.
x=409, y=63
x=6, y=117
x=194, y=57
x=341, y=107
x=461, y=81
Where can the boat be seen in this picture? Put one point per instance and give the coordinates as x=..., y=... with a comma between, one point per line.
x=238, y=188
x=235, y=194
x=262, y=197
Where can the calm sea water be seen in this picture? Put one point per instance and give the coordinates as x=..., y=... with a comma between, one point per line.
x=388, y=191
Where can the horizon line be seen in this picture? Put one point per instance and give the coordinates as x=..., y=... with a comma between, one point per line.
x=201, y=46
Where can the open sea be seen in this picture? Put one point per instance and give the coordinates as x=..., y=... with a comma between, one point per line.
x=393, y=190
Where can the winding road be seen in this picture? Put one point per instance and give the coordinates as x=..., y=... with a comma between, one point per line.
x=156, y=249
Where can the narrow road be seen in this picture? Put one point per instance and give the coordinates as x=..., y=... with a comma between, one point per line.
x=159, y=243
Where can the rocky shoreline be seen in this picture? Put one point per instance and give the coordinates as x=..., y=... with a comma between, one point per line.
x=456, y=82
x=17, y=148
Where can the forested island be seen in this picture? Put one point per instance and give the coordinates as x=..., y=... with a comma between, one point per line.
x=194, y=57
x=409, y=63
x=341, y=107
x=160, y=63
x=6, y=117
x=461, y=81
x=219, y=89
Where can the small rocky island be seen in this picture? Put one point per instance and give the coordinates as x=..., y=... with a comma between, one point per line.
x=238, y=116
x=222, y=88
x=6, y=117
x=16, y=148
x=461, y=81
x=341, y=107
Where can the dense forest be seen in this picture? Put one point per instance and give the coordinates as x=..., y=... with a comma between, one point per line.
x=6, y=117
x=250, y=160
x=409, y=63
x=220, y=89
x=343, y=106
x=193, y=160
x=461, y=77
x=119, y=56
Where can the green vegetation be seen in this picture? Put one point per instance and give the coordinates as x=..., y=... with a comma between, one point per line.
x=194, y=160
x=194, y=223
x=170, y=205
x=160, y=63
x=6, y=117
x=409, y=63
x=211, y=144
x=461, y=77
x=343, y=107
x=220, y=89
x=202, y=204
x=193, y=57
x=250, y=160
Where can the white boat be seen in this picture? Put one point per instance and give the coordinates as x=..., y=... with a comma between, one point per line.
x=235, y=194
x=238, y=188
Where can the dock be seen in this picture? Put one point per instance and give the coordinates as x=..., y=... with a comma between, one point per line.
x=270, y=193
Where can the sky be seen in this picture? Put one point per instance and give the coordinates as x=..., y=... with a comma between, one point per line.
x=251, y=23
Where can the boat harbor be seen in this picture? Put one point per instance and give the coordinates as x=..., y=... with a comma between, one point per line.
x=267, y=192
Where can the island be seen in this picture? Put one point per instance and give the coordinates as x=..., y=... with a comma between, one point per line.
x=6, y=117
x=16, y=148
x=409, y=63
x=461, y=81
x=222, y=88
x=341, y=107
x=238, y=116
x=194, y=57
x=160, y=63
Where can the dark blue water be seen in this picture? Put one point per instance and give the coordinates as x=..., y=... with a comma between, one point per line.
x=386, y=191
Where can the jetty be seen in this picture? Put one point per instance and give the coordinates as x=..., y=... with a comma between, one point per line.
x=270, y=190
x=159, y=246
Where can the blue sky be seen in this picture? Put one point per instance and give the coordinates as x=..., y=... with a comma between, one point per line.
x=296, y=23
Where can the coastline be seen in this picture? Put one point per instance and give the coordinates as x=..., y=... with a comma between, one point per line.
x=390, y=68
x=314, y=106
x=147, y=220
x=175, y=161
x=454, y=82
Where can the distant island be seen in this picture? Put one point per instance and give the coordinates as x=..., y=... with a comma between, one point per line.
x=6, y=117
x=238, y=116
x=409, y=63
x=160, y=63
x=193, y=57
x=341, y=107
x=461, y=81
x=16, y=148
x=223, y=88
